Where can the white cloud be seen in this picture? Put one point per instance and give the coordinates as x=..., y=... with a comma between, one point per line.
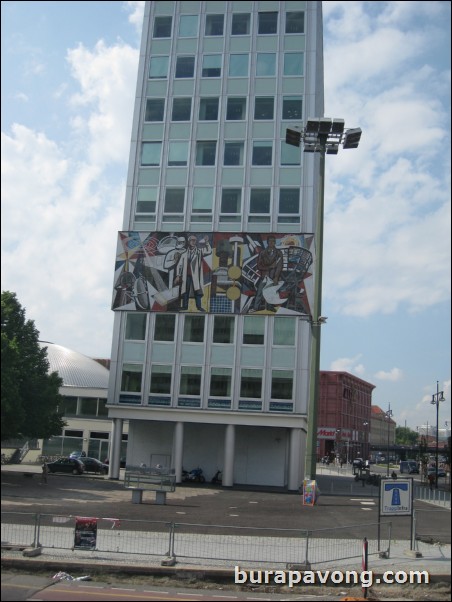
x=387, y=205
x=62, y=204
x=136, y=15
x=394, y=375
x=348, y=364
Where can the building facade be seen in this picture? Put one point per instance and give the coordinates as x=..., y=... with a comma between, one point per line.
x=382, y=430
x=213, y=284
x=84, y=398
x=344, y=418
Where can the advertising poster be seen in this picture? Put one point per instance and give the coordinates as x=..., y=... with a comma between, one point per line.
x=309, y=492
x=85, y=536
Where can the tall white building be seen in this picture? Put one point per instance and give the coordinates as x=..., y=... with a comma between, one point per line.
x=213, y=285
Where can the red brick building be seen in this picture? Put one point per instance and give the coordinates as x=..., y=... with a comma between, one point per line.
x=343, y=421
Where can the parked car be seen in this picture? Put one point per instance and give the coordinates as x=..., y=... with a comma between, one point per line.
x=122, y=462
x=77, y=454
x=441, y=472
x=358, y=463
x=409, y=466
x=94, y=465
x=67, y=465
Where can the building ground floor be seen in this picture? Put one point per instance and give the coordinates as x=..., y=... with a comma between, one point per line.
x=254, y=450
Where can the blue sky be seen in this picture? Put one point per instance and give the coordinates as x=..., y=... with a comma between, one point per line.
x=68, y=83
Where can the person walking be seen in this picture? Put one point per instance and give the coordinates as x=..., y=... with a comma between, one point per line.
x=45, y=472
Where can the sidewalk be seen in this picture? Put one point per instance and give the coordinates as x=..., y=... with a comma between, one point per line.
x=209, y=506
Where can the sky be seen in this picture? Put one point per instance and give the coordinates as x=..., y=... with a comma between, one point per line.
x=68, y=80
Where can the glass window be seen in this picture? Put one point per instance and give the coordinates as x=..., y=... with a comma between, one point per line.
x=283, y=331
x=181, y=109
x=289, y=205
x=236, y=109
x=268, y=23
x=231, y=205
x=205, y=152
x=262, y=153
x=174, y=200
x=214, y=25
x=135, y=327
x=164, y=327
x=155, y=109
x=251, y=383
x=233, y=153
x=260, y=205
x=151, y=153
x=194, y=329
x=211, y=65
x=220, y=382
x=185, y=66
x=223, y=329
x=188, y=26
x=253, y=330
x=264, y=107
x=146, y=200
x=102, y=409
x=238, y=65
x=131, y=377
x=292, y=107
x=266, y=64
x=158, y=68
x=88, y=406
x=295, y=22
x=293, y=63
x=190, y=380
x=161, y=378
x=208, y=109
x=178, y=153
x=282, y=384
x=290, y=155
x=162, y=27
x=69, y=406
x=241, y=24
x=202, y=201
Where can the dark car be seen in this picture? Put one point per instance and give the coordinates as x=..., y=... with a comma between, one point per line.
x=93, y=465
x=68, y=465
x=358, y=463
x=441, y=472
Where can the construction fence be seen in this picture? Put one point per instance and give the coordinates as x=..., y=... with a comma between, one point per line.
x=188, y=543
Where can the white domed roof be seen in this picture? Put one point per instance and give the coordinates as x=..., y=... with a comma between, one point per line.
x=75, y=369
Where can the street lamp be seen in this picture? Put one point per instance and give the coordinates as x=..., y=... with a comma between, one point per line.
x=323, y=136
x=388, y=415
x=436, y=398
x=366, y=440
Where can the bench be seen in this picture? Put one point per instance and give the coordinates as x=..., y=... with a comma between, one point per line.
x=139, y=480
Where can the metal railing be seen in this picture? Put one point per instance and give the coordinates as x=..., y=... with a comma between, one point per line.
x=194, y=543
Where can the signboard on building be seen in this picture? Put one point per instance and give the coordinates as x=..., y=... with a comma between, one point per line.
x=331, y=432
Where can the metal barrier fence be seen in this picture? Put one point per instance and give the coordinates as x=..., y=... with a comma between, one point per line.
x=428, y=532
x=440, y=497
x=211, y=544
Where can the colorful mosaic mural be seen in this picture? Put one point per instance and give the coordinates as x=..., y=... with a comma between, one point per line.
x=214, y=272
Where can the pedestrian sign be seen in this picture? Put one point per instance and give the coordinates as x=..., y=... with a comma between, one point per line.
x=396, y=497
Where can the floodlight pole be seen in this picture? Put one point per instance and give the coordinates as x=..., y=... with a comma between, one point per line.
x=323, y=136
x=314, y=385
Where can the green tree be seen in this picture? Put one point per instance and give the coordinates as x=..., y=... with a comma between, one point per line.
x=405, y=436
x=30, y=394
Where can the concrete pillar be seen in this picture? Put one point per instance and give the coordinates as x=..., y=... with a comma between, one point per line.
x=178, y=450
x=229, y=451
x=294, y=473
x=115, y=449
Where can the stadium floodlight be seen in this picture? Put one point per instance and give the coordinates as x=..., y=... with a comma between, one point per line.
x=323, y=136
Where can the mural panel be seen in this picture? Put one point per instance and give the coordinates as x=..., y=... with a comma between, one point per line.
x=214, y=272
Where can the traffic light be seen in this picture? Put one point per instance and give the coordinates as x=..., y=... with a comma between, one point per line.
x=293, y=137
